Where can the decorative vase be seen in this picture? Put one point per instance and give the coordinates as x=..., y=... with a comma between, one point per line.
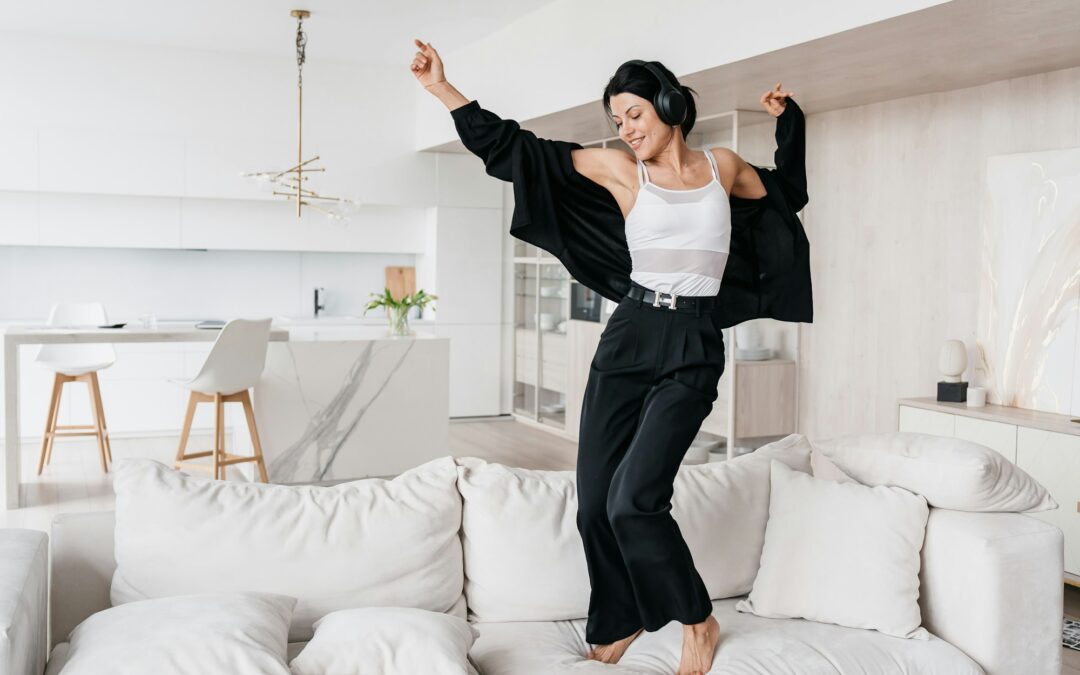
x=399, y=320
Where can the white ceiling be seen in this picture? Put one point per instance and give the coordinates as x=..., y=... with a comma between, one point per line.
x=346, y=30
x=957, y=44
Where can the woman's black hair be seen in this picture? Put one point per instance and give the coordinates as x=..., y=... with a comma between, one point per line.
x=639, y=81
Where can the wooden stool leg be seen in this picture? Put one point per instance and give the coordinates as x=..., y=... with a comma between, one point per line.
x=101, y=417
x=185, y=433
x=250, y=414
x=97, y=421
x=63, y=379
x=219, y=436
x=50, y=422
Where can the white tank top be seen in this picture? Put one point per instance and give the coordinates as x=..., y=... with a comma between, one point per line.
x=679, y=239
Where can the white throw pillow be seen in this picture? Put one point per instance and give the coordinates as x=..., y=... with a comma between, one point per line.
x=375, y=542
x=841, y=553
x=237, y=633
x=387, y=641
x=952, y=473
x=524, y=558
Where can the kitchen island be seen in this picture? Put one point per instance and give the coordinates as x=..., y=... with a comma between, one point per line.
x=351, y=401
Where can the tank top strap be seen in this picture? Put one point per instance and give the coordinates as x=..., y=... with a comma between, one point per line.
x=712, y=163
x=643, y=173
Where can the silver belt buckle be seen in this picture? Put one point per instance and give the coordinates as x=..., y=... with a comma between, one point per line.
x=656, y=299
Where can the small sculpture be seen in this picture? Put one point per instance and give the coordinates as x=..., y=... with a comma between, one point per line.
x=952, y=361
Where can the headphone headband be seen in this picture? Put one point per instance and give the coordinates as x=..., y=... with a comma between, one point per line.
x=670, y=103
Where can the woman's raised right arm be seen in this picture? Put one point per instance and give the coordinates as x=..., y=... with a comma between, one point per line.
x=427, y=66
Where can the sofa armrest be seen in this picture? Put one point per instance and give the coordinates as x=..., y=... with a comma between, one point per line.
x=992, y=585
x=24, y=599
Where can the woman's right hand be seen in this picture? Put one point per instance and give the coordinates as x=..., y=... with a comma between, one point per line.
x=426, y=65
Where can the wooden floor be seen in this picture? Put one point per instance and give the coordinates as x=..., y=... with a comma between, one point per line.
x=74, y=480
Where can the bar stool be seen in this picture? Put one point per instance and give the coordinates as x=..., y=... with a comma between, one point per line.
x=233, y=366
x=76, y=363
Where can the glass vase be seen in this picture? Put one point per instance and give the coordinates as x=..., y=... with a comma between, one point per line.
x=399, y=320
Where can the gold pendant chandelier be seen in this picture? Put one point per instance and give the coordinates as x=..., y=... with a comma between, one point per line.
x=291, y=181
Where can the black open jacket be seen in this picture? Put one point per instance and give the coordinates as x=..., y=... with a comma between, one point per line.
x=579, y=222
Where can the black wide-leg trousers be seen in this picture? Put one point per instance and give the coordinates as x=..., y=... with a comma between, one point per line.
x=652, y=381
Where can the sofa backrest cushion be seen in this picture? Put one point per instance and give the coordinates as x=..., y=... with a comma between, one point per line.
x=371, y=542
x=524, y=558
x=951, y=473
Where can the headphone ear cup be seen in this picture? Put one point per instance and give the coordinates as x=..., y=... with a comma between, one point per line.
x=671, y=106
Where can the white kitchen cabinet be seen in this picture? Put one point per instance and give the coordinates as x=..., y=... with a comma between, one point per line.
x=109, y=221
x=19, y=148
x=110, y=162
x=474, y=367
x=18, y=218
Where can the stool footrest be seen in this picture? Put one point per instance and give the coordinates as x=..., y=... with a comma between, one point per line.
x=226, y=458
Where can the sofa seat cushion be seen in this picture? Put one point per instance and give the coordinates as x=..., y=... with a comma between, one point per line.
x=235, y=633
x=749, y=645
x=391, y=640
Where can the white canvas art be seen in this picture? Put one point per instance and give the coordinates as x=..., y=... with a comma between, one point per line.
x=1029, y=295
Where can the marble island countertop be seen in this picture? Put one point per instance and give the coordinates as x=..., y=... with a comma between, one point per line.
x=350, y=328
x=355, y=332
x=373, y=319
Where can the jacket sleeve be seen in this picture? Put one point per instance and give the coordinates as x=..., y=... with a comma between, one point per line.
x=790, y=155
x=487, y=136
x=537, y=167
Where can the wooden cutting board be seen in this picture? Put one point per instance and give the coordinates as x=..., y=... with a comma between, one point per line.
x=401, y=281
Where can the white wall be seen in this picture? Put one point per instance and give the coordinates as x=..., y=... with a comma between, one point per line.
x=893, y=221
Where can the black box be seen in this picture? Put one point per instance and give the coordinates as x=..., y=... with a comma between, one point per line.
x=954, y=392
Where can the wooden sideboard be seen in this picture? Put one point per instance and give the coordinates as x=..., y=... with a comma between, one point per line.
x=1045, y=445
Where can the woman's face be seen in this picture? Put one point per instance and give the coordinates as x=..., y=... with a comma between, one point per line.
x=638, y=125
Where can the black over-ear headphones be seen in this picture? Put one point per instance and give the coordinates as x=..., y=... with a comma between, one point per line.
x=669, y=102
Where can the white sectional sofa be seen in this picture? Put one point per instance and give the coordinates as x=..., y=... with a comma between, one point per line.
x=990, y=583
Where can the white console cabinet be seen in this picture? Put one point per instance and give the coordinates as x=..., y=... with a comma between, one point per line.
x=1045, y=445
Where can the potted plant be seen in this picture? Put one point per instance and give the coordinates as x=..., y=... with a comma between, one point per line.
x=398, y=310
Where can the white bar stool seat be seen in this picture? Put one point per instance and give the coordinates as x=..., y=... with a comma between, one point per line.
x=232, y=367
x=76, y=363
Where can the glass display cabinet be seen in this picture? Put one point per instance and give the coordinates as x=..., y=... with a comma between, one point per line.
x=541, y=310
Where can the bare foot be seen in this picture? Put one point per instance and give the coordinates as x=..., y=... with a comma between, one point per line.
x=699, y=645
x=613, y=652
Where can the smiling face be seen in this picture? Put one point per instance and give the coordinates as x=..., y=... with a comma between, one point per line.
x=638, y=124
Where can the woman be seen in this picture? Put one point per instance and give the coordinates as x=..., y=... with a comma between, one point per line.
x=682, y=263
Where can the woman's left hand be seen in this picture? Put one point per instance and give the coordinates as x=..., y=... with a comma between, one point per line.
x=775, y=100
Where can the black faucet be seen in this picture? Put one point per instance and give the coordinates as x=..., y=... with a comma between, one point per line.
x=320, y=300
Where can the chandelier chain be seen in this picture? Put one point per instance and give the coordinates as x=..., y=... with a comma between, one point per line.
x=301, y=43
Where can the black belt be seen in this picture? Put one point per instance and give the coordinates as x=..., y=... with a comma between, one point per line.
x=670, y=300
